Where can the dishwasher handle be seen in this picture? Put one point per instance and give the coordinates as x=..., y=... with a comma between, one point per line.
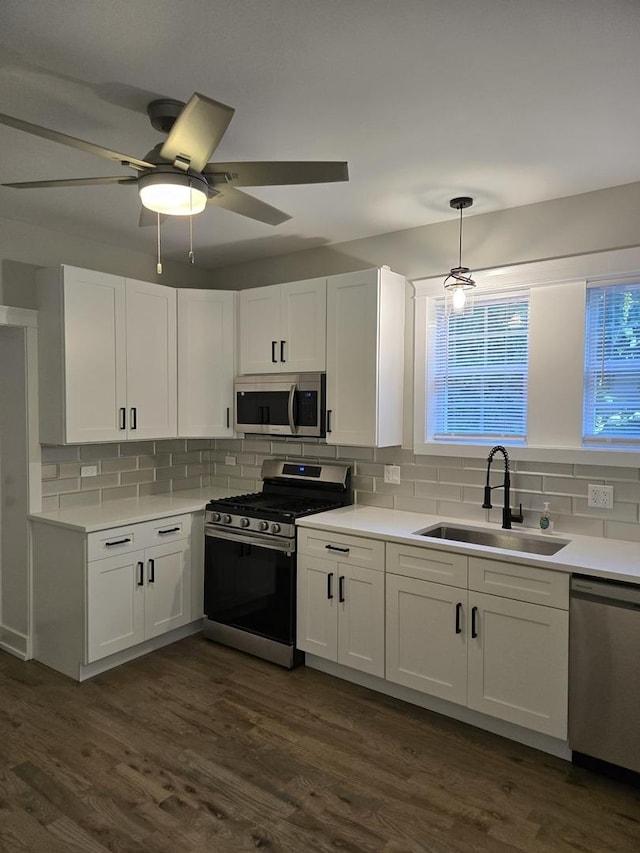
x=613, y=591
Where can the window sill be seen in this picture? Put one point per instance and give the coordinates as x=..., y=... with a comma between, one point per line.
x=624, y=457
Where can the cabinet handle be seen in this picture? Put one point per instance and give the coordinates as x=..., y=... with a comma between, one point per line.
x=168, y=530
x=228, y=417
x=140, y=573
x=459, y=618
x=336, y=548
x=152, y=571
x=274, y=344
x=123, y=418
x=329, y=420
x=330, y=585
x=282, y=358
x=474, y=626
x=117, y=542
x=134, y=418
x=341, y=589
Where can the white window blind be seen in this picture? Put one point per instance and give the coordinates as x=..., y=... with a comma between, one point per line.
x=479, y=369
x=612, y=364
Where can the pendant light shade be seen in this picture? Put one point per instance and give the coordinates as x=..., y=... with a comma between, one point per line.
x=458, y=285
x=173, y=193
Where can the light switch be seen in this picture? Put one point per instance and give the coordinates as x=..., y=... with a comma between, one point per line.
x=392, y=474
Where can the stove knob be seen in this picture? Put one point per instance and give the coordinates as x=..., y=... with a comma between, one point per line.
x=263, y=525
x=215, y=516
x=226, y=519
x=275, y=528
x=244, y=522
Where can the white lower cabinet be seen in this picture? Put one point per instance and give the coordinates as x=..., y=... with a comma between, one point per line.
x=137, y=596
x=340, y=613
x=103, y=593
x=504, y=656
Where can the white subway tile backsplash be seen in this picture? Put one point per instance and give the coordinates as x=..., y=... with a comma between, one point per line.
x=427, y=506
x=443, y=485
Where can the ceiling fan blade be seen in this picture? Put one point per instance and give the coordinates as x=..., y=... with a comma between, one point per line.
x=73, y=182
x=149, y=217
x=197, y=131
x=72, y=142
x=247, y=205
x=263, y=174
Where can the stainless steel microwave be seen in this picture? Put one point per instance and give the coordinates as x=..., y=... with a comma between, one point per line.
x=280, y=404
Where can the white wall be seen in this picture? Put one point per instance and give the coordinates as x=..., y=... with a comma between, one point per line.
x=24, y=248
x=591, y=222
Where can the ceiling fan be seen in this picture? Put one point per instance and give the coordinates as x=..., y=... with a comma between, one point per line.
x=175, y=177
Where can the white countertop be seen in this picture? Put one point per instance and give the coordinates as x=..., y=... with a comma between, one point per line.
x=592, y=555
x=132, y=510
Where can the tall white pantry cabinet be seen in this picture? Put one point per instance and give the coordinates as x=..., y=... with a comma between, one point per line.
x=107, y=357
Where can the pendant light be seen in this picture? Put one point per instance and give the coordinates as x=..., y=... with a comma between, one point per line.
x=458, y=285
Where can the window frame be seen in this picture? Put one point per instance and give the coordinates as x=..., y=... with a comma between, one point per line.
x=556, y=357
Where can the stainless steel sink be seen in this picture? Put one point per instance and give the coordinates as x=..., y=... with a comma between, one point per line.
x=494, y=539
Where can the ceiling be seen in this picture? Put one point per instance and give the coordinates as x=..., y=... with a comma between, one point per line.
x=509, y=101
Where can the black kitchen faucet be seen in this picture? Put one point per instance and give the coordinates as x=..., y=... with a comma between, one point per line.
x=507, y=515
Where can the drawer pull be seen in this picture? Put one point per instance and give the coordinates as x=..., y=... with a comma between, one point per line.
x=330, y=585
x=140, y=573
x=117, y=542
x=168, y=530
x=335, y=548
x=474, y=626
x=458, y=618
x=152, y=571
x=341, y=589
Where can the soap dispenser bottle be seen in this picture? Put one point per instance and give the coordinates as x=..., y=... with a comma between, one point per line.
x=546, y=522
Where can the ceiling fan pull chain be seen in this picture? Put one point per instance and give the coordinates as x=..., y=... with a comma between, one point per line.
x=159, y=264
x=192, y=259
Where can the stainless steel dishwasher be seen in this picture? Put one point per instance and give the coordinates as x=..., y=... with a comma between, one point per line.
x=604, y=672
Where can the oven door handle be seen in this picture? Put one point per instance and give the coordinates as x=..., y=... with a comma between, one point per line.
x=292, y=396
x=270, y=542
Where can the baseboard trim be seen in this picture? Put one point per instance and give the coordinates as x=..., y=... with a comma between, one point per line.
x=536, y=740
x=14, y=643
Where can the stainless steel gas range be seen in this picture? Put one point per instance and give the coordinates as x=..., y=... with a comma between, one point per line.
x=250, y=556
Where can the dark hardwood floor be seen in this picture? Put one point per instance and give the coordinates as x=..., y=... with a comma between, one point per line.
x=198, y=748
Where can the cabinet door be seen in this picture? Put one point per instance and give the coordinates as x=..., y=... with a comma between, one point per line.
x=352, y=334
x=167, y=587
x=260, y=330
x=115, y=604
x=303, y=326
x=426, y=645
x=151, y=360
x=205, y=363
x=518, y=663
x=94, y=355
x=361, y=619
x=317, y=612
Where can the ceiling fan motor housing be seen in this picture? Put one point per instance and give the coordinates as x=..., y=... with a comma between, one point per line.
x=163, y=113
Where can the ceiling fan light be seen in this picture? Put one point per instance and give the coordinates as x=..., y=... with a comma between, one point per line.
x=173, y=194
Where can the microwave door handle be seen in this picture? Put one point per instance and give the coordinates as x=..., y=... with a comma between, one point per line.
x=292, y=396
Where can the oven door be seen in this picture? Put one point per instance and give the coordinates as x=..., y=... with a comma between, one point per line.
x=250, y=584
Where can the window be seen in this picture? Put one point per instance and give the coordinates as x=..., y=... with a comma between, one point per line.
x=612, y=364
x=478, y=370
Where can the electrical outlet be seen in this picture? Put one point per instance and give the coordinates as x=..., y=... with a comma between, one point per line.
x=600, y=496
x=392, y=474
x=89, y=471
x=229, y=460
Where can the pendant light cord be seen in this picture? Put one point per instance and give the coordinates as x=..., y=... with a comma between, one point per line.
x=460, y=247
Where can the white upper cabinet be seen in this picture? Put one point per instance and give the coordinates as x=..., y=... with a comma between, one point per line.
x=283, y=328
x=206, y=340
x=365, y=358
x=107, y=357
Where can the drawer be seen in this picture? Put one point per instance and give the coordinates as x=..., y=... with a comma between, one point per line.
x=430, y=564
x=131, y=537
x=524, y=583
x=352, y=550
